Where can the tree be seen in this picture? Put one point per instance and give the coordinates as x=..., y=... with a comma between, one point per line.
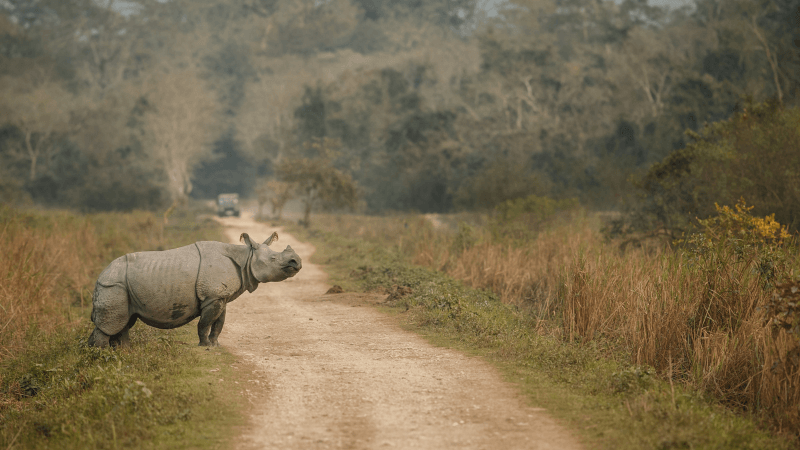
x=281, y=192
x=40, y=112
x=262, y=196
x=484, y=190
x=761, y=35
x=108, y=45
x=752, y=155
x=179, y=126
x=265, y=115
x=444, y=13
x=277, y=193
x=317, y=181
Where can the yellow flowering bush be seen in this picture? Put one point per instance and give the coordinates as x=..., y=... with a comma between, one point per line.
x=735, y=232
x=753, y=154
x=737, y=223
x=748, y=266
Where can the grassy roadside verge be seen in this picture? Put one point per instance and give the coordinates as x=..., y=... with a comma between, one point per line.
x=55, y=392
x=590, y=388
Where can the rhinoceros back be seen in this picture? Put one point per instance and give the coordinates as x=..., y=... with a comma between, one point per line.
x=162, y=286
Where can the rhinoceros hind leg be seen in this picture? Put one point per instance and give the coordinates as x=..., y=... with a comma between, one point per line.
x=99, y=339
x=122, y=338
x=216, y=327
x=110, y=310
x=208, y=316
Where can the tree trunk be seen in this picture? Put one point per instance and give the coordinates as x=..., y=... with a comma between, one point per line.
x=31, y=154
x=307, y=213
x=179, y=185
x=187, y=183
x=771, y=58
x=33, y=167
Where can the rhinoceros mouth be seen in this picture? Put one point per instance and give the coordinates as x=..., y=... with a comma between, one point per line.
x=290, y=271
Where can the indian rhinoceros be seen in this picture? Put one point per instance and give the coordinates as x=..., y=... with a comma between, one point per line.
x=168, y=289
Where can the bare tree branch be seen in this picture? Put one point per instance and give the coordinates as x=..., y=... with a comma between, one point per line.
x=771, y=58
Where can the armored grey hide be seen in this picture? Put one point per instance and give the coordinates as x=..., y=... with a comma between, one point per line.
x=170, y=288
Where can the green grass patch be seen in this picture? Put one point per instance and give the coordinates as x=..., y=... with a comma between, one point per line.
x=590, y=388
x=163, y=391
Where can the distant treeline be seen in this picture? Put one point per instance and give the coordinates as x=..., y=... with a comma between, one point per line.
x=438, y=105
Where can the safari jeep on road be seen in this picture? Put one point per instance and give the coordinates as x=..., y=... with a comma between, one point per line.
x=228, y=205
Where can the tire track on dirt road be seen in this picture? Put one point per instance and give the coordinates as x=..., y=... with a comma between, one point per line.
x=330, y=373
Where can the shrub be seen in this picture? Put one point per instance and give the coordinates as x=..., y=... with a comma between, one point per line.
x=523, y=218
x=736, y=233
x=753, y=154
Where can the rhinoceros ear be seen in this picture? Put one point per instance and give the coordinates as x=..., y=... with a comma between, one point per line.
x=272, y=238
x=246, y=239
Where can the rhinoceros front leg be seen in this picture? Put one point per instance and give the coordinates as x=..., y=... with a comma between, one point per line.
x=208, y=317
x=216, y=327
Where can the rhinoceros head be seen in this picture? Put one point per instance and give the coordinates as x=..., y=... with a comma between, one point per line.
x=268, y=265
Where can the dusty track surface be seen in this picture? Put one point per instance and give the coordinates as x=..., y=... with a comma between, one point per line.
x=330, y=372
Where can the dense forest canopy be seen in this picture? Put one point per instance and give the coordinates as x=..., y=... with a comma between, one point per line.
x=437, y=105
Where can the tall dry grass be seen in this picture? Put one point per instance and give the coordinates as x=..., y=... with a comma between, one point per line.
x=699, y=321
x=43, y=268
x=49, y=261
x=530, y=275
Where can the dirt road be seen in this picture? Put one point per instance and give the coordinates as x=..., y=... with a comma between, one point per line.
x=329, y=372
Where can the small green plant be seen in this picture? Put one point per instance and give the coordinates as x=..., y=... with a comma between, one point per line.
x=464, y=239
x=632, y=380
